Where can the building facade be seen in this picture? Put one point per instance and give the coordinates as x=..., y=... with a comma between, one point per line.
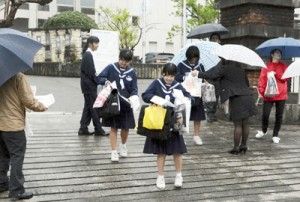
x=154, y=16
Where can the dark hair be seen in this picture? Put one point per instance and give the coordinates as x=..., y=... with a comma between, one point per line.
x=192, y=52
x=215, y=34
x=272, y=52
x=90, y=40
x=126, y=54
x=169, y=69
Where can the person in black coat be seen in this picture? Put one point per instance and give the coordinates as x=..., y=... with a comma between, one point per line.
x=89, y=89
x=235, y=87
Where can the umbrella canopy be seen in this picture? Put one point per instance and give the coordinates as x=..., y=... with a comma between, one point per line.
x=206, y=30
x=17, y=51
x=289, y=47
x=292, y=70
x=239, y=53
x=207, y=59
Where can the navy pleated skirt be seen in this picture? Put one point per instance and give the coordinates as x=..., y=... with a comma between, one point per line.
x=125, y=120
x=197, y=111
x=174, y=145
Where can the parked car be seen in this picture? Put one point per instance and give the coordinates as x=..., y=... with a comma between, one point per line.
x=158, y=58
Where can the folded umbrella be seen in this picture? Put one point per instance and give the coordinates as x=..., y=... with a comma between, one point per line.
x=206, y=30
x=289, y=47
x=17, y=51
x=239, y=53
x=207, y=59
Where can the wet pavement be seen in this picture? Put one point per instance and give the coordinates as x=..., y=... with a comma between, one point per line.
x=62, y=166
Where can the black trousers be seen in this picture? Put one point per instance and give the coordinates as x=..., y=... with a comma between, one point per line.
x=88, y=112
x=267, y=106
x=12, y=152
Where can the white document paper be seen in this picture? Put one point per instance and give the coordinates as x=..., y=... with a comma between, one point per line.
x=33, y=88
x=162, y=102
x=47, y=100
x=134, y=102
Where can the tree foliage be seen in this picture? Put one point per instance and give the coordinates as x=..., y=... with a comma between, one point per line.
x=197, y=14
x=11, y=7
x=120, y=20
x=70, y=19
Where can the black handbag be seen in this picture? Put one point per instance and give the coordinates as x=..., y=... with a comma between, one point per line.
x=111, y=106
x=163, y=134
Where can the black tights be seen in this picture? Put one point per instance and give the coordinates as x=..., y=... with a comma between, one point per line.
x=241, y=129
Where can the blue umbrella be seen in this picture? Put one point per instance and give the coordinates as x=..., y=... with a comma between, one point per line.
x=17, y=51
x=289, y=47
x=207, y=59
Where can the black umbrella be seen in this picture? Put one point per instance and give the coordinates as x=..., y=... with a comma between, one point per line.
x=206, y=30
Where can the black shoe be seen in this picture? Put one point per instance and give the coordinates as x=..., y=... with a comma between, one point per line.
x=3, y=189
x=100, y=132
x=243, y=149
x=84, y=132
x=25, y=195
x=234, y=151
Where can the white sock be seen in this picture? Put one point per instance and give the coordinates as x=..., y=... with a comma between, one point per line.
x=114, y=151
x=178, y=174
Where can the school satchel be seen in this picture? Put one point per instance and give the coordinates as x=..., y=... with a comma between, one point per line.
x=111, y=107
x=165, y=133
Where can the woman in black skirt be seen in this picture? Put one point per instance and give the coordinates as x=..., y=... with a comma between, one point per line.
x=163, y=87
x=235, y=87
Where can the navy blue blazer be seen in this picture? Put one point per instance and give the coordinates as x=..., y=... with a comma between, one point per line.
x=88, y=74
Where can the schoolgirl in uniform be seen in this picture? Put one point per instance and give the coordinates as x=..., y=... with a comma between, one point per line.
x=163, y=87
x=126, y=81
x=187, y=66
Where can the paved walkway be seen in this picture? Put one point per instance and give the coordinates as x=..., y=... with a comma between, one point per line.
x=62, y=166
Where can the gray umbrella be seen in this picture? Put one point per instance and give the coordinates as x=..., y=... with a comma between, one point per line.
x=206, y=30
x=17, y=51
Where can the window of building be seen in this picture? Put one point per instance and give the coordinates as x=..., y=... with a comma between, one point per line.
x=24, y=6
x=87, y=3
x=43, y=8
x=135, y=20
x=169, y=47
x=88, y=11
x=41, y=23
x=66, y=2
x=64, y=8
x=152, y=46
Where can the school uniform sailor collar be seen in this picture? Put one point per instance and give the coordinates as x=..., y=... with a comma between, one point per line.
x=167, y=89
x=122, y=74
x=187, y=64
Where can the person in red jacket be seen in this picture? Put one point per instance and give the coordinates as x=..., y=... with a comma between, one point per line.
x=276, y=67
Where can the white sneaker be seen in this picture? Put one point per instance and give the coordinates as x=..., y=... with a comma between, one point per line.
x=260, y=134
x=160, y=182
x=197, y=140
x=114, y=156
x=276, y=140
x=123, y=150
x=178, y=181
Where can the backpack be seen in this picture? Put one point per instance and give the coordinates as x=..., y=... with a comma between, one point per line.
x=111, y=107
x=163, y=134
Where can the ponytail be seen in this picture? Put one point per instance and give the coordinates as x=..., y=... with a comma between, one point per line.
x=90, y=40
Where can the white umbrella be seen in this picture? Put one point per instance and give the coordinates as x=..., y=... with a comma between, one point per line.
x=207, y=59
x=292, y=70
x=239, y=53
